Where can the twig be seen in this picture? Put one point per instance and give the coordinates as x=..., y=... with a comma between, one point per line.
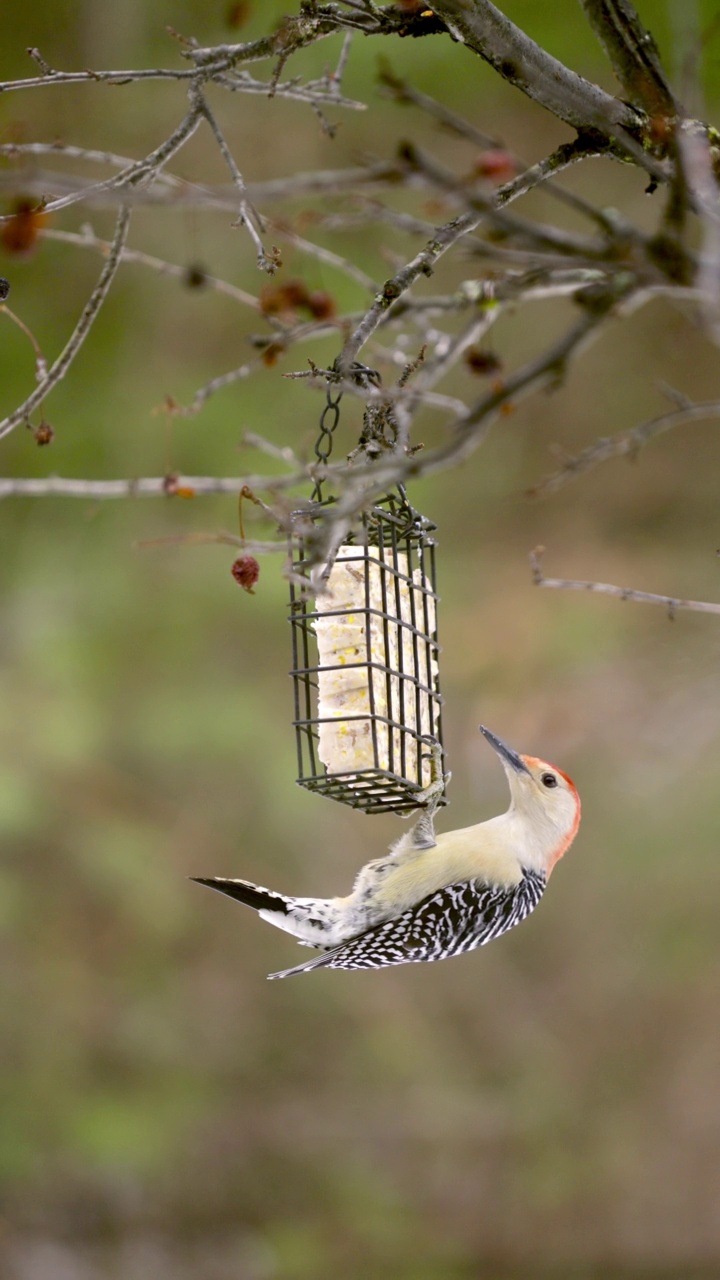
x=403, y=92
x=86, y=239
x=140, y=172
x=697, y=184
x=444, y=359
x=327, y=256
x=290, y=89
x=633, y=54
x=443, y=239
x=247, y=215
x=57, y=371
x=283, y=453
x=210, y=539
x=168, y=188
x=671, y=603
x=143, y=487
x=560, y=159
x=40, y=362
x=625, y=444
x=517, y=58
x=217, y=58
x=203, y=394
x=335, y=79
x=422, y=264
x=471, y=429
x=95, y=77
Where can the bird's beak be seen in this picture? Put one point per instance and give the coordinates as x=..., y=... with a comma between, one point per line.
x=506, y=753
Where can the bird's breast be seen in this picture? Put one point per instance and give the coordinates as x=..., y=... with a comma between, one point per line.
x=472, y=853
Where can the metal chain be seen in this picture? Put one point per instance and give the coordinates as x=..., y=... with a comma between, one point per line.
x=329, y=419
x=330, y=416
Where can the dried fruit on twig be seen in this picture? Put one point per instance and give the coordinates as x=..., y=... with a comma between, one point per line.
x=174, y=489
x=19, y=234
x=480, y=361
x=195, y=276
x=238, y=13
x=286, y=299
x=496, y=165
x=43, y=433
x=246, y=571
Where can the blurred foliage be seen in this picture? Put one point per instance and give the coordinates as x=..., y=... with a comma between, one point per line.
x=549, y=1107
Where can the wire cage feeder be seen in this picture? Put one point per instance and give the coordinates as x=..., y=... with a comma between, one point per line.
x=365, y=662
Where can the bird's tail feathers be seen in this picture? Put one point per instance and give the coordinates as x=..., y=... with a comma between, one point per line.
x=318, y=962
x=253, y=895
x=313, y=921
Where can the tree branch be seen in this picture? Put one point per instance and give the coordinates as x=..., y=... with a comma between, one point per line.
x=247, y=215
x=626, y=444
x=518, y=59
x=86, y=239
x=671, y=603
x=445, y=237
x=169, y=486
x=633, y=54
x=58, y=370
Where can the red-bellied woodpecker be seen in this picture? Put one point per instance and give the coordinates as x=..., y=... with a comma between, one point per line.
x=434, y=896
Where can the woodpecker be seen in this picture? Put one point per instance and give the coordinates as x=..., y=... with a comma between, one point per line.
x=434, y=896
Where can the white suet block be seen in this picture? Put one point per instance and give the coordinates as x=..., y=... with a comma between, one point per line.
x=355, y=645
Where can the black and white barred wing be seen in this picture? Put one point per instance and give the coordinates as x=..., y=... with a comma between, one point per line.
x=447, y=923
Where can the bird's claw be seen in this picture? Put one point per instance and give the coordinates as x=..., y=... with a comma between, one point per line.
x=430, y=796
x=423, y=833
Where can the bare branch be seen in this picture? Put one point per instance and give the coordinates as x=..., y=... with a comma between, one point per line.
x=403, y=91
x=291, y=34
x=86, y=239
x=330, y=258
x=142, y=487
x=615, y=265
x=422, y=264
x=470, y=430
x=582, y=149
x=633, y=54
x=315, y=94
x=169, y=189
x=139, y=173
x=670, y=603
x=60, y=367
x=203, y=394
x=95, y=77
x=697, y=186
x=484, y=29
x=443, y=239
x=220, y=538
x=626, y=444
x=247, y=215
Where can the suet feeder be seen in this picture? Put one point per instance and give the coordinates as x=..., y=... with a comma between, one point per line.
x=365, y=660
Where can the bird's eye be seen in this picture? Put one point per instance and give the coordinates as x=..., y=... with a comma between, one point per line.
x=549, y=780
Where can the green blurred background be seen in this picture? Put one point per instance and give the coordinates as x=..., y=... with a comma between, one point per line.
x=549, y=1107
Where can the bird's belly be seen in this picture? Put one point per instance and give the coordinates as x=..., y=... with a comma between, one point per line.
x=409, y=882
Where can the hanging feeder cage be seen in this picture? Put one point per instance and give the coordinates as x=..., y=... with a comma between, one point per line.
x=365, y=662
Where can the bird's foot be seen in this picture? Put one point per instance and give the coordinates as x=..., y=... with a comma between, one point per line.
x=429, y=798
x=423, y=833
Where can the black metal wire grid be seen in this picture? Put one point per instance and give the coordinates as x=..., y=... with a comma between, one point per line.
x=393, y=549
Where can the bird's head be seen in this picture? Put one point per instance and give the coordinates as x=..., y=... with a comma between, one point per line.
x=545, y=797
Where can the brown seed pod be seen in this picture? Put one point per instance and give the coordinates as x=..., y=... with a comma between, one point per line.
x=246, y=571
